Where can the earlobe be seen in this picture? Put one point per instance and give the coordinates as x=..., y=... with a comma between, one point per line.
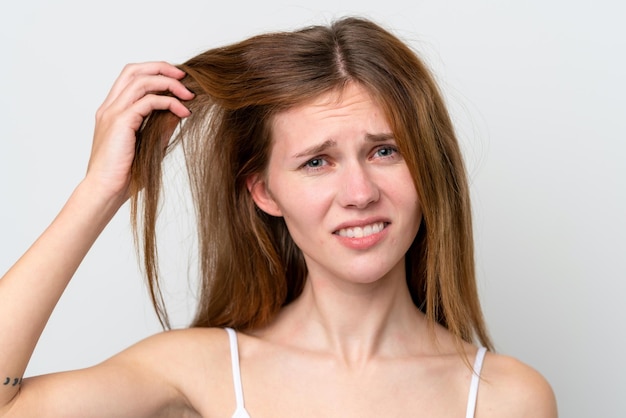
x=257, y=186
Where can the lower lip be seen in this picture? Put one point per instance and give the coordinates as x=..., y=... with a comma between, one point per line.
x=363, y=243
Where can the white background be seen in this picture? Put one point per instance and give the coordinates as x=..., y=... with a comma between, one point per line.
x=537, y=90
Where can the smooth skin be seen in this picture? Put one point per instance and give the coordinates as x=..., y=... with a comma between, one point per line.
x=353, y=345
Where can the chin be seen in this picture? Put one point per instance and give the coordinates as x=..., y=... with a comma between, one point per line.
x=367, y=276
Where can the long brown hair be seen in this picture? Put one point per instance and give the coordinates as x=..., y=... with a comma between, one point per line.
x=249, y=265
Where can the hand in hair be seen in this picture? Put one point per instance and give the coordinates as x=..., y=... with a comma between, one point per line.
x=38, y=279
x=135, y=94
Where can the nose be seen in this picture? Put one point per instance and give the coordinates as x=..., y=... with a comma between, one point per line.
x=359, y=189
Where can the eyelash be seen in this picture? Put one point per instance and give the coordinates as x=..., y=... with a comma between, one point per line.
x=387, y=148
x=308, y=165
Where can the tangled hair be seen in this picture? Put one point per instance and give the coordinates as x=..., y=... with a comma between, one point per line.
x=249, y=265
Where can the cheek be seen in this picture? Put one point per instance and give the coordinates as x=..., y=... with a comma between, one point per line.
x=305, y=209
x=404, y=194
x=302, y=206
x=400, y=184
x=297, y=196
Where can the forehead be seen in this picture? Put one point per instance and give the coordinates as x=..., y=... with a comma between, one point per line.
x=353, y=106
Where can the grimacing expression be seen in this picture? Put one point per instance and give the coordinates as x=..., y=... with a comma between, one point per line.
x=346, y=194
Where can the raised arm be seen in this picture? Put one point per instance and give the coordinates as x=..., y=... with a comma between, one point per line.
x=32, y=287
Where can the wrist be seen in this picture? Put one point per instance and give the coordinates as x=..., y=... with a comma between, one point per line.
x=99, y=198
x=103, y=192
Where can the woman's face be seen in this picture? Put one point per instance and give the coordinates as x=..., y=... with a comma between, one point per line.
x=346, y=195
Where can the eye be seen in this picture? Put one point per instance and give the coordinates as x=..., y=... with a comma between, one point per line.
x=386, y=151
x=315, y=163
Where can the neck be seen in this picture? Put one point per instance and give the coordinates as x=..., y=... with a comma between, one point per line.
x=354, y=321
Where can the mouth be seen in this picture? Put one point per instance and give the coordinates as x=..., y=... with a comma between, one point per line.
x=362, y=231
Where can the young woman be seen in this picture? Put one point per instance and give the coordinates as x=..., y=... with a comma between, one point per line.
x=335, y=238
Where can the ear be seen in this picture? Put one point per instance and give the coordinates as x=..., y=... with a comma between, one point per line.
x=257, y=186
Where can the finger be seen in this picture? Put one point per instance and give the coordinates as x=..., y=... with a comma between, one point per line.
x=145, y=85
x=143, y=107
x=132, y=71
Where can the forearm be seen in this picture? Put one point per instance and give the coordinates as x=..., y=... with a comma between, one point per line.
x=30, y=290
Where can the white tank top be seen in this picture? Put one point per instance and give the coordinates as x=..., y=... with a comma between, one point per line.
x=241, y=412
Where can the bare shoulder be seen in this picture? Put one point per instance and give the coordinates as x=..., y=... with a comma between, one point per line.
x=189, y=358
x=196, y=363
x=189, y=343
x=174, y=373
x=513, y=389
x=178, y=358
x=171, y=352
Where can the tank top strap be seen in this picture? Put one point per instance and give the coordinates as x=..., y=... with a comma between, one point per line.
x=473, y=392
x=240, y=411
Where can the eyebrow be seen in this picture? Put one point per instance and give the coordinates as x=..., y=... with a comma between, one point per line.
x=379, y=137
x=317, y=149
x=329, y=143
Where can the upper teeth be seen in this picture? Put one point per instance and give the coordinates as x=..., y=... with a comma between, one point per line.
x=360, y=232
